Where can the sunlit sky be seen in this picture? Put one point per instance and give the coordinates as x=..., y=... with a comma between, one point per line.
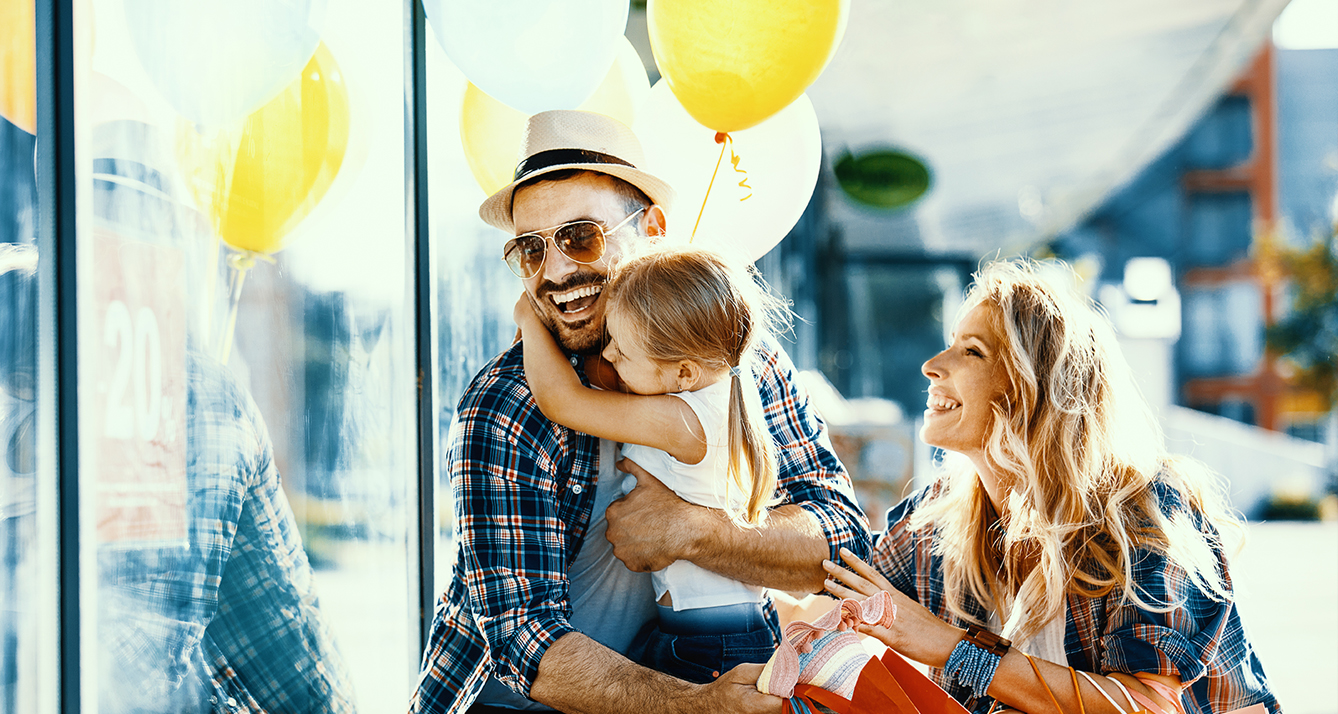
x=1307, y=25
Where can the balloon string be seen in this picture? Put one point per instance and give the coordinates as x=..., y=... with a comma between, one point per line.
x=240, y=262
x=211, y=290
x=743, y=182
x=722, y=139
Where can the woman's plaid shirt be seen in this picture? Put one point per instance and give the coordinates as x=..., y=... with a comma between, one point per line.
x=1200, y=640
x=524, y=489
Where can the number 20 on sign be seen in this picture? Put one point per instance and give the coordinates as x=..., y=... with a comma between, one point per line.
x=137, y=407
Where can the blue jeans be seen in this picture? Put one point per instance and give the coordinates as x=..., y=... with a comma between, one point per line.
x=700, y=658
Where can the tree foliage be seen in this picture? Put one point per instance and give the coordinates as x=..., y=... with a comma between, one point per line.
x=1307, y=336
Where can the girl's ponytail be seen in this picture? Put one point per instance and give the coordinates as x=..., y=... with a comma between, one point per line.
x=752, y=453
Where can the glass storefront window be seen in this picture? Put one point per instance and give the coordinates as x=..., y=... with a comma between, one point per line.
x=1223, y=138
x=247, y=398
x=20, y=564
x=1217, y=228
x=27, y=508
x=1223, y=330
x=890, y=345
x=475, y=290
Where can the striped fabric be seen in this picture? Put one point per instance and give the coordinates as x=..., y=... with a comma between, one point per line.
x=834, y=663
x=524, y=489
x=1199, y=640
x=827, y=653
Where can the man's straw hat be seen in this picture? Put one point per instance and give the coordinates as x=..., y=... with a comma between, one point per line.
x=568, y=139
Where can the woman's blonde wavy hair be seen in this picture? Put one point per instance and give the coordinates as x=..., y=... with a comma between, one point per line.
x=688, y=303
x=1076, y=449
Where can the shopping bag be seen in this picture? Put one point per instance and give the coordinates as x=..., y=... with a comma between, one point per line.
x=824, y=663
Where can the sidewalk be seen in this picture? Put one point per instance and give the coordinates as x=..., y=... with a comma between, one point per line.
x=1286, y=580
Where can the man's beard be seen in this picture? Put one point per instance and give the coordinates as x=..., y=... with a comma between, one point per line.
x=582, y=338
x=579, y=338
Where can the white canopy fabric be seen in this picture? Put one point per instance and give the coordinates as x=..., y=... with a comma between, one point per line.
x=1028, y=112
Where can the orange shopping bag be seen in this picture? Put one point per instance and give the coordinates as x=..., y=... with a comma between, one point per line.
x=824, y=663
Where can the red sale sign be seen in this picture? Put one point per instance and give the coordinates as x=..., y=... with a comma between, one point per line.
x=137, y=407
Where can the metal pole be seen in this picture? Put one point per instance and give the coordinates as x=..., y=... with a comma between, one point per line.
x=58, y=404
x=424, y=286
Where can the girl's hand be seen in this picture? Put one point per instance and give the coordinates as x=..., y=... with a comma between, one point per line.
x=524, y=313
x=916, y=632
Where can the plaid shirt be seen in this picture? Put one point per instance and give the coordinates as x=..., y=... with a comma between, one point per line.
x=524, y=489
x=231, y=623
x=1202, y=641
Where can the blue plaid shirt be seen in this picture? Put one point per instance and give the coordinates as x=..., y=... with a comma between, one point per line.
x=524, y=489
x=1200, y=640
x=231, y=623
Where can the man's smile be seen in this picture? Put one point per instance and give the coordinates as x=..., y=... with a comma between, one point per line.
x=574, y=303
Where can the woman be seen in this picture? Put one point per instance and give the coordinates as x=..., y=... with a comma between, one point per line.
x=1061, y=523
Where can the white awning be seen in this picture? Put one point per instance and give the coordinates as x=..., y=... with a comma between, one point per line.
x=1028, y=112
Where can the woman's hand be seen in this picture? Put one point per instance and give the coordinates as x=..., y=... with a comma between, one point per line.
x=859, y=582
x=916, y=632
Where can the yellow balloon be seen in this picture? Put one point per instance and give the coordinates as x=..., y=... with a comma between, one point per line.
x=733, y=63
x=491, y=131
x=18, y=63
x=258, y=182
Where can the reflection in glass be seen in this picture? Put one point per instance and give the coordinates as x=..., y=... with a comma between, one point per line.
x=19, y=569
x=475, y=291
x=18, y=471
x=248, y=417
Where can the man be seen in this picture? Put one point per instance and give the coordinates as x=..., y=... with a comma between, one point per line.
x=551, y=583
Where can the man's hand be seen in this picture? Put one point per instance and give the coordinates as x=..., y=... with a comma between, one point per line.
x=650, y=527
x=736, y=691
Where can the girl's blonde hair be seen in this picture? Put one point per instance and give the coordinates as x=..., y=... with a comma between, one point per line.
x=688, y=303
x=1076, y=450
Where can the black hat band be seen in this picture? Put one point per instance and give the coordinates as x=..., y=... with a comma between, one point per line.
x=561, y=157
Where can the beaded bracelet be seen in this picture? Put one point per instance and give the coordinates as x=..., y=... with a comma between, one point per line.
x=972, y=667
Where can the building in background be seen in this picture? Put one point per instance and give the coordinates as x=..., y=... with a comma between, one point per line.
x=1258, y=172
x=1259, y=167
x=1261, y=164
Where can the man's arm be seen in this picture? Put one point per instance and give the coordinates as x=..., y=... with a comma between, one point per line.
x=652, y=527
x=510, y=580
x=580, y=676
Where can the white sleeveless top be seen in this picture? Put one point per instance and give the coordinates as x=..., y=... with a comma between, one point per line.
x=1047, y=644
x=704, y=484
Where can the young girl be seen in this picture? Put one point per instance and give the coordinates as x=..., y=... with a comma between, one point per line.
x=682, y=327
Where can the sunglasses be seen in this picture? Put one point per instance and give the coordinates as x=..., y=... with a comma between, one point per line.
x=581, y=241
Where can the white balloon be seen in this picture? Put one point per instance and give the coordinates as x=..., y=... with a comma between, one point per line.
x=746, y=214
x=216, y=62
x=532, y=55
